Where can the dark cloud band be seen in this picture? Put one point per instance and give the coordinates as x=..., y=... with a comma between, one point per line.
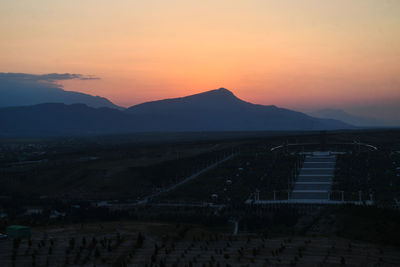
x=49, y=77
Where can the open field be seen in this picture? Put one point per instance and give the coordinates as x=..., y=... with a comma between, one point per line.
x=235, y=180
x=373, y=173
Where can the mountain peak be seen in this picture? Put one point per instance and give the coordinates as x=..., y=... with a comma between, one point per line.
x=224, y=90
x=219, y=92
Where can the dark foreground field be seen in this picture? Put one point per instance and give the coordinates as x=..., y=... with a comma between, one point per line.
x=173, y=200
x=162, y=244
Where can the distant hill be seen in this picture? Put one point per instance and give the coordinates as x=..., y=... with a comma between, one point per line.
x=216, y=110
x=19, y=93
x=341, y=115
x=386, y=111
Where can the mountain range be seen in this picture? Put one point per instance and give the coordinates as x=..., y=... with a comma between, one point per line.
x=215, y=110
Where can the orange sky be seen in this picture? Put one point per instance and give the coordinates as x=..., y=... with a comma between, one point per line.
x=291, y=53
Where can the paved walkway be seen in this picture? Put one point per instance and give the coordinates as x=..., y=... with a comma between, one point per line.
x=315, y=179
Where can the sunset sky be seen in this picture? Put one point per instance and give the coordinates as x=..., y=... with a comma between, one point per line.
x=291, y=53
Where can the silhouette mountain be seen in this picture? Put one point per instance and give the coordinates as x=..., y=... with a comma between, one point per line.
x=20, y=93
x=220, y=109
x=215, y=110
x=346, y=117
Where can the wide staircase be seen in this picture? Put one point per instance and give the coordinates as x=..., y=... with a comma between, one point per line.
x=315, y=179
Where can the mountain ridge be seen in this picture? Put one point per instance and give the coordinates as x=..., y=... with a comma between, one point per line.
x=214, y=110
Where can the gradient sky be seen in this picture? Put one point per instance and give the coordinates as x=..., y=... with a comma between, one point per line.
x=291, y=53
